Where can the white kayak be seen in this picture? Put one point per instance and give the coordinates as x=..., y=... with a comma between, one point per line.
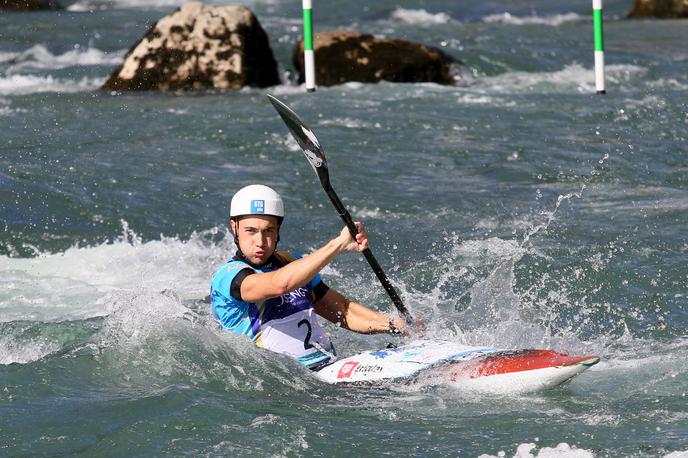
x=448, y=363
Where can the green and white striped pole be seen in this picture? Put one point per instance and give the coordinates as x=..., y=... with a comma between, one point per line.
x=599, y=46
x=308, y=57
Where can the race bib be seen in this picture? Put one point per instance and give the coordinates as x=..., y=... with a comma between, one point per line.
x=296, y=335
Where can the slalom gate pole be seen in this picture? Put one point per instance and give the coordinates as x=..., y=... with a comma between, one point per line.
x=599, y=46
x=308, y=57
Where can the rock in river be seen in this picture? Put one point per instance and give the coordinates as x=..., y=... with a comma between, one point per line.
x=29, y=5
x=342, y=56
x=660, y=8
x=197, y=47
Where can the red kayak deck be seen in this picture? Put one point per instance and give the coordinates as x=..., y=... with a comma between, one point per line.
x=516, y=361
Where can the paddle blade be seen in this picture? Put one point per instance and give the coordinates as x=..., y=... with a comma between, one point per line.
x=304, y=137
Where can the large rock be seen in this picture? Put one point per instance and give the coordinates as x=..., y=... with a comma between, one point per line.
x=29, y=5
x=342, y=56
x=197, y=47
x=660, y=8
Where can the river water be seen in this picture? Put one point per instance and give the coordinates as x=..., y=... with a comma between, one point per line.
x=516, y=210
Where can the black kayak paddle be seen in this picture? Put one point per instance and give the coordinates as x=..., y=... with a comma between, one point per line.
x=316, y=157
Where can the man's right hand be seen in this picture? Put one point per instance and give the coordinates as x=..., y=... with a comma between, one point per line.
x=417, y=328
x=348, y=243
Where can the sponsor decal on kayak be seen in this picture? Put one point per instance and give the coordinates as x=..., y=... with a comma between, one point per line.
x=368, y=369
x=347, y=369
x=354, y=367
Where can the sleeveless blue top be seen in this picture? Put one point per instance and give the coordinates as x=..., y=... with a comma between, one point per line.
x=284, y=324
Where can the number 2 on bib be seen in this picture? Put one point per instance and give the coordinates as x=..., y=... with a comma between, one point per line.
x=307, y=341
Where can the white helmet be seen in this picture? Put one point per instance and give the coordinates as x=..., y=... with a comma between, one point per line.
x=256, y=199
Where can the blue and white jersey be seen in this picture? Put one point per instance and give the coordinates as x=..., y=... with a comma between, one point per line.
x=284, y=324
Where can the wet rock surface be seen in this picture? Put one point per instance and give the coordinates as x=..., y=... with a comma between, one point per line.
x=29, y=5
x=199, y=47
x=660, y=9
x=342, y=56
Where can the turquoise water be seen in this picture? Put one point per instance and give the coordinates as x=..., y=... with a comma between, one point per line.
x=517, y=210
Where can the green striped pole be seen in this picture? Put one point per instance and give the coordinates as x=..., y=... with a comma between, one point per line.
x=308, y=57
x=599, y=46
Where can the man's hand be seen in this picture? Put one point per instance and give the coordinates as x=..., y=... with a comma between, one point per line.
x=399, y=326
x=348, y=243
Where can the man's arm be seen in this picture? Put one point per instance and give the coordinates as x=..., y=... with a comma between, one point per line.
x=255, y=288
x=336, y=308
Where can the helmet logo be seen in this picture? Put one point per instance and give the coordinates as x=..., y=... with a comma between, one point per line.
x=257, y=207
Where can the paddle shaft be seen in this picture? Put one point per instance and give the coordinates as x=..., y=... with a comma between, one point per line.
x=346, y=217
x=316, y=157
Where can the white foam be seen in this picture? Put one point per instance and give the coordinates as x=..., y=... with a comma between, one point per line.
x=562, y=450
x=668, y=83
x=288, y=89
x=8, y=111
x=683, y=454
x=472, y=99
x=346, y=122
x=369, y=213
x=100, y=5
x=488, y=251
x=646, y=356
x=94, y=5
x=85, y=7
x=80, y=282
x=135, y=317
x=12, y=351
x=6, y=56
x=554, y=20
x=32, y=84
x=572, y=77
x=38, y=57
x=419, y=17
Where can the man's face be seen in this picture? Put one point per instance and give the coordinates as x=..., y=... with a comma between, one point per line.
x=257, y=236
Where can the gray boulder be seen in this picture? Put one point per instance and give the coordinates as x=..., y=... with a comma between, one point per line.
x=197, y=47
x=660, y=9
x=342, y=56
x=29, y=5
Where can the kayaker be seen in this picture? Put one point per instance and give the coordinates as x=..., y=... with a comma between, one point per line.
x=273, y=296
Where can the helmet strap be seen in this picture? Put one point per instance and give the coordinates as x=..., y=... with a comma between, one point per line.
x=235, y=231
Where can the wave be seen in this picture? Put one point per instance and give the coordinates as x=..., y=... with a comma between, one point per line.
x=136, y=283
x=424, y=18
x=419, y=17
x=6, y=110
x=80, y=282
x=21, y=352
x=573, y=77
x=652, y=200
x=16, y=81
x=174, y=340
x=38, y=57
x=530, y=450
x=23, y=342
x=96, y=5
x=349, y=123
x=554, y=20
x=31, y=84
x=669, y=84
x=83, y=6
